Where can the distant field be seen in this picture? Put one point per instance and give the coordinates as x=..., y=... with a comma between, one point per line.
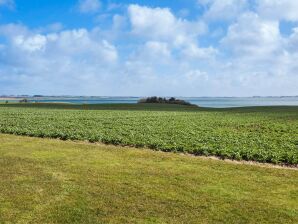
x=263, y=134
x=52, y=181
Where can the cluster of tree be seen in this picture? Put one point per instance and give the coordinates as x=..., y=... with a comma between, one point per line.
x=23, y=100
x=171, y=100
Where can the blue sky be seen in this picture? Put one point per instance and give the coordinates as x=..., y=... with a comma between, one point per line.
x=149, y=47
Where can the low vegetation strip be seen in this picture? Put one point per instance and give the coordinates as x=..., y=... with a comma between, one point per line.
x=162, y=100
x=263, y=135
x=52, y=181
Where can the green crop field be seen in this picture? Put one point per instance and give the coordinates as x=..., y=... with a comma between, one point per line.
x=265, y=134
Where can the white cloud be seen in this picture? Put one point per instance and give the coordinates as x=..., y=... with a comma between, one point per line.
x=161, y=24
x=59, y=61
x=192, y=51
x=152, y=51
x=30, y=44
x=278, y=9
x=196, y=75
x=263, y=62
x=89, y=6
x=252, y=36
x=157, y=49
x=223, y=9
x=158, y=22
x=72, y=43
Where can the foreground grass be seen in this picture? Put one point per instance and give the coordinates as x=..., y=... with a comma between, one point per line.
x=51, y=181
x=263, y=134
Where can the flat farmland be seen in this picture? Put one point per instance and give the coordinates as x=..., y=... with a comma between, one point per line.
x=265, y=134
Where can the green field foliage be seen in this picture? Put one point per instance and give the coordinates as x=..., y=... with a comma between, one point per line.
x=265, y=134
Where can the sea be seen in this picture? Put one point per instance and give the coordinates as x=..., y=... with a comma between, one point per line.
x=213, y=102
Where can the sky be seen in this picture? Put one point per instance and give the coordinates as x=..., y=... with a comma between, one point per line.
x=149, y=47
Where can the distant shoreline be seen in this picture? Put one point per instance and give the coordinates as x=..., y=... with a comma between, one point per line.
x=210, y=102
x=10, y=98
x=16, y=97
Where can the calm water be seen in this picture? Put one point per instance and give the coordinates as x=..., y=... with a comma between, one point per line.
x=201, y=101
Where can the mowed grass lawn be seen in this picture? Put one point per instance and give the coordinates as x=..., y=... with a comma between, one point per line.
x=263, y=134
x=54, y=181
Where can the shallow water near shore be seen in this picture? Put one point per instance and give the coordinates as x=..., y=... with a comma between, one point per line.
x=215, y=102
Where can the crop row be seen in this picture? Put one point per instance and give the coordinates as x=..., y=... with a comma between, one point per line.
x=263, y=137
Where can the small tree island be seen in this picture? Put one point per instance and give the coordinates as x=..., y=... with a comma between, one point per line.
x=23, y=100
x=163, y=100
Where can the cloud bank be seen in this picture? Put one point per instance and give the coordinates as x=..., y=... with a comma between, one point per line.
x=153, y=51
